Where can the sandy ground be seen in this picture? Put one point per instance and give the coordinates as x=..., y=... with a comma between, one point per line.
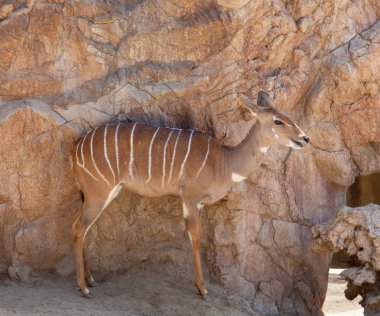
x=138, y=293
x=336, y=304
x=133, y=293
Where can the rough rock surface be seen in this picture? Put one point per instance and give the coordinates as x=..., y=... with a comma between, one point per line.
x=67, y=66
x=355, y=233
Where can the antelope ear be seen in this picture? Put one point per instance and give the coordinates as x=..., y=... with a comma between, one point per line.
x=246, y=104
x=264, y=101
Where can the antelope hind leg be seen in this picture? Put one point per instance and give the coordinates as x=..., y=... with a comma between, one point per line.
x=87, y=272
x=90, y=211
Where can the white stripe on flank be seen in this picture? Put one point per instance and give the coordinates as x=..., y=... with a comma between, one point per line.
x=82, y=164
x=204, y=161
x=93, y=159
x=174, y=152
x=187, y=154
x=81, y=148
x=76, y=152
x=117, y=150
x=190, y=238
x=113, y=193
x=150, y=155
x=164, y=159
x=131, y=152
x=106, y=154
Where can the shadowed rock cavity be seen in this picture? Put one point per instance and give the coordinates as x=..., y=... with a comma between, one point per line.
x=365, y=190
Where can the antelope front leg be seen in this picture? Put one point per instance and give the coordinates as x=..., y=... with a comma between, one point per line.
x=192, y=217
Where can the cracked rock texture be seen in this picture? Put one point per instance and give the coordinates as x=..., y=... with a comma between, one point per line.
x=68, y=66
x=355, y=233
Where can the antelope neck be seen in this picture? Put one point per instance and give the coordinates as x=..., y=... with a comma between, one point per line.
x=245, y=156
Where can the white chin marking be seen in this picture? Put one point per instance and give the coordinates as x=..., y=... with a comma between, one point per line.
x=264, y=149
x=237, y=177
x=294, y=145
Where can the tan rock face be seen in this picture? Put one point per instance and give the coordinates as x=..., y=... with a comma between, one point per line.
x=354, y=233
x=68, y=66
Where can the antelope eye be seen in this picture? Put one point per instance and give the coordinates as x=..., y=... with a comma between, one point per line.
x=278, y=122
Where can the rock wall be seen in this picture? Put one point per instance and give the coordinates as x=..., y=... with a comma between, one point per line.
x=68, y=66
x=354, y=233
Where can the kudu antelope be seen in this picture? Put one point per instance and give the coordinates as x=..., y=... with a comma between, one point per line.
x=154, y=161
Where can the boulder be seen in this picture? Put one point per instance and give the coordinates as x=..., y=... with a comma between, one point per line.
x=355, y=233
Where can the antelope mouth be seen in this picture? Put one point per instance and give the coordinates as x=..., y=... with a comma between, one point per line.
x=296, y=144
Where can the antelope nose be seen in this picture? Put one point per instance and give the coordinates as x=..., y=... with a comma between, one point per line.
x=306, y=139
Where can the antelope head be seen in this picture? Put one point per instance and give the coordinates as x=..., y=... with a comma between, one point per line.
x=275, y=126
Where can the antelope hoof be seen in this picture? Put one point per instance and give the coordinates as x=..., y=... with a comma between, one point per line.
x=86, y=293
x=203, y=294
x=91, y=282
x=205, y=297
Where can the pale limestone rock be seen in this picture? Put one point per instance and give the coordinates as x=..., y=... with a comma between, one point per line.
x=355, y=233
